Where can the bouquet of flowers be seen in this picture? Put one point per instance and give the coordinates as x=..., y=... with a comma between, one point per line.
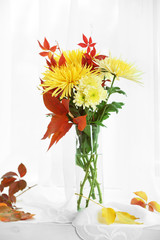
x=77, y=85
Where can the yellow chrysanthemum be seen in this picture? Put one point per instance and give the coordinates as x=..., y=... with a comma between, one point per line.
x=90, y=92
x=74, y=56
x=64, y=78
x=119, y=68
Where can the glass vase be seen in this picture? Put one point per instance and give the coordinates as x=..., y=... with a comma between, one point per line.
x=89, y=177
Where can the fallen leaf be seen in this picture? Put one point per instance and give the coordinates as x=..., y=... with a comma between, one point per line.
x=142, y=194
x=125, y=218
x=154, y=205
x=107, y=216
x=138, y=201
x=8, y=214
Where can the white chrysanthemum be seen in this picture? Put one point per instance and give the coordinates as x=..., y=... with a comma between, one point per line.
x=90, y=92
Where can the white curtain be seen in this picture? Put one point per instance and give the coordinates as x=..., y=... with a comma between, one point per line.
x=128, y=29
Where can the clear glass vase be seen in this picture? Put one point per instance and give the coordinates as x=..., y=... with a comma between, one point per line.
x=89, y=177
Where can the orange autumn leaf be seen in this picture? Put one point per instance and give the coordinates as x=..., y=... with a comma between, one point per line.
x=46, y=44
x=62, y=60
x=142, y=195
x=81, y=122
x=138, y=201
x=7, y=214
x=150, y=209
x=54, y=105
x=55, y=125
x=43, y=54
x=43, y=48
x=50, y=55
x=59, y=134
x=154, y=205
x=53, y=49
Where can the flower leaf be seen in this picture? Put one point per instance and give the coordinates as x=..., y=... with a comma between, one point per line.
x=107, y=216
x=46, y=44
x=43, y=54
x=138, y=201
x=85, y=39
x=7, y=214
x=81, y=122
x=125, y=218
x=142, y=194
x=22, y=170
x=154, y=205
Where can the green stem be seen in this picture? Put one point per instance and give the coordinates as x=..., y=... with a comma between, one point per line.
x=114, y=77
x=82, y=185
x=93, y=181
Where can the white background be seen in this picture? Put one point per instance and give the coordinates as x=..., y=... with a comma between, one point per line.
x=128, y=29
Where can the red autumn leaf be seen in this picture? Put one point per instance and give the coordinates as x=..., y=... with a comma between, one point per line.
x=88, y=49
x=55, y=125
x=53, y=61
x=5, y=197
x=90, y=41
x=43, y=54
x=53, y=49
x=13, y=188
x=138, y=201
x=48, y=63
x=62, y=60
x=41, y=46
x=53, y=104
x=81, y=122
x=9, y=174
x=83, y=45
x=100, y=57
x=22, y=170
x=85, y=39
x=46, y=44
x=13, y=199
x=93, y=52
x=92, y=45
x=1, y=188
x=58, y=135
x=22, y=184
x=7, y=181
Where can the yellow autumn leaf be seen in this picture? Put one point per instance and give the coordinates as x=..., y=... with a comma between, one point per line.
x=154, y=205
x=142, y=194
x=126, y=218
x=107, y=216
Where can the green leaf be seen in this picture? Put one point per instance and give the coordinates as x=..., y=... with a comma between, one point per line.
x=114, y=107
x=115, y=90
